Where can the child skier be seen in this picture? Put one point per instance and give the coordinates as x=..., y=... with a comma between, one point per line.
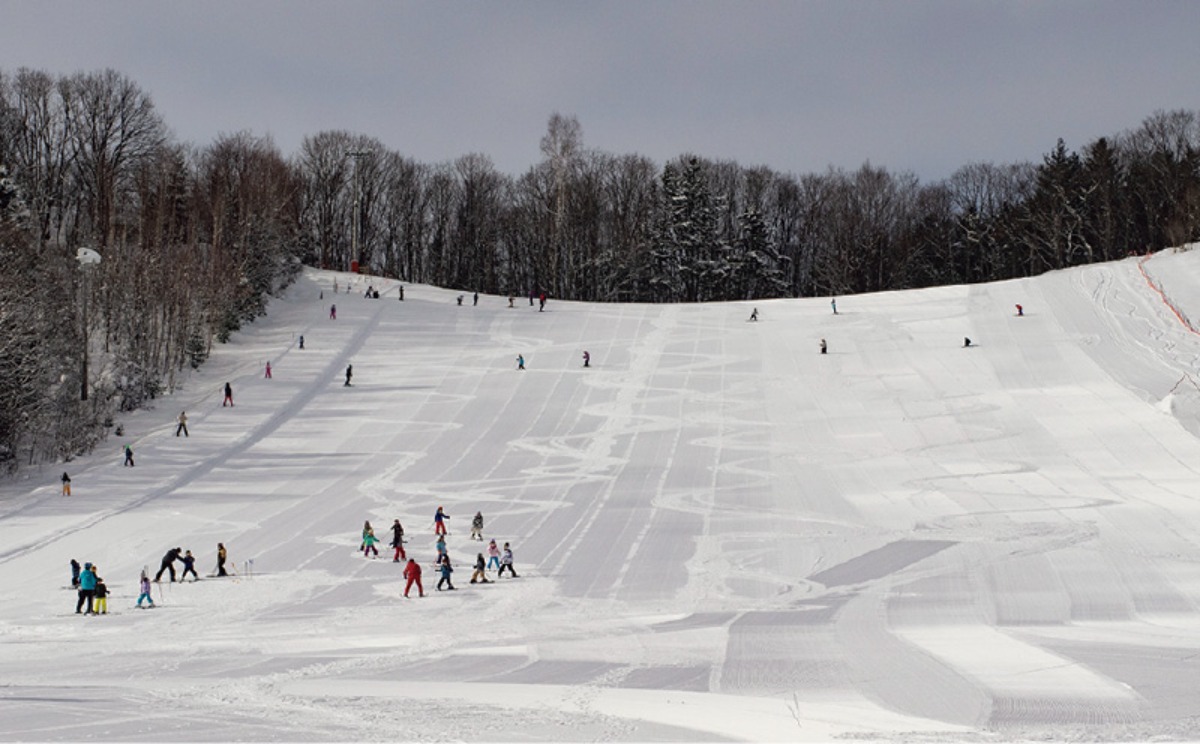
x=506, y=561
x=493, y=555
x=412, y=572
x=520, y=361
x=228, y=396
x=440, y=545
x=824, y=347
x=439, y=523
x=144, y=588
x=128, y=456
x=477, y=527
x=268, y=374
x=189, y=565
x=74, y=574
x=349, y=374
x=66, y=481
x=333, y=312
x=369, y=541
x=101, y=597
x=398, y=541
x=587, y=359
x=479, y=577
x=182, y=424
x=446, y=569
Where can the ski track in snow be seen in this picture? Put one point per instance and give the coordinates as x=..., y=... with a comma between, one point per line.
x=721, y=534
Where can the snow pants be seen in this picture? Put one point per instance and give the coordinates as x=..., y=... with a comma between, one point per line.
x=146, y=596
x=439, y=528
x=399, y=554
x=102, y=605
x=478, y=576
x=85, y=595
x=165, y=567
x=494, y=561
x=510, y=570
x=414, y=580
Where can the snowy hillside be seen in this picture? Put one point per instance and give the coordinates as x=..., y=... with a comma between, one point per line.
x=721, y=534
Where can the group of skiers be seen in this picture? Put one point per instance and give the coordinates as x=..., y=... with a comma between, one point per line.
x=501, y=559
x=91, y=588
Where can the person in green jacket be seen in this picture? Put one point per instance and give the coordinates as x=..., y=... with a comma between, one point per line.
x=369, y=541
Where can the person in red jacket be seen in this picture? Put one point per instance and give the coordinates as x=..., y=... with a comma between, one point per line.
x=412, y=572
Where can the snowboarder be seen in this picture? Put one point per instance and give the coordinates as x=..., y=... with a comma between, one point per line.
x=439, y=524
x=228, y=396
x=506, y=561
x=369, y=541
x=66, y=481
x=101, y=596
x=966, y=342
x=333, y=310
x=446, y=569
x=398, y=541
x=182, y=424
x=87, y=588
x=833, y=304
x=349, y=374
x=302, y=343
x=754, y=314
x=128, y=456
x=587, y=359
x=1020, y=310
x=479, y=577
x=475, y=299
x=824, y=346
x=74, y=574
x=520, y=361
x=477, y=527
x=221, y=556
x=189, y=565
x=493, y=555
x=268, y=373
x=412, y=572
x=168, y=563
x=144, y=588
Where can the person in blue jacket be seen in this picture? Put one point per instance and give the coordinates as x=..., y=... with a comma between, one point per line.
x=444, y=565
x=87, y=588
x=439, y=521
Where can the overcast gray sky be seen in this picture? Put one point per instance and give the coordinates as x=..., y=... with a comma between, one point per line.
x=798, y=86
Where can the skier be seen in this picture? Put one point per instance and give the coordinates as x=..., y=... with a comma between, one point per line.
x=349, y=374
x=182, y=424
x=479, y=577
x=833, y=304
x=531, y=296
x=101, y=596
x=398, y=541
x=440, y=546
x=542, y=302
x=460, y=298
x=128, y=456
x=506, y=561
x=370, y=291
x=754, y=314
x=367, y=530
x=74, y=574
x=587, y=359
x=228, y=396
x=510, y=300
x=520, y=361
x=144, y=588
x=189, y=565
x=268, y=374
x=369, y=541
x=87, y=588
x=493, y=555
x=1020, y=310
x=221, y=556
x=477, y=527
x=412, y=572
x=401, y=289
x=475, y=299
x=66, y=481
x=439, y=524
x=168, y=563
x=302, y=343
x=824, y=347
x=966, y=342
x=333, y=310
x=446, y=569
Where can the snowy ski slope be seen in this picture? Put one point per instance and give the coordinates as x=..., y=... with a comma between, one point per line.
x=721, y=534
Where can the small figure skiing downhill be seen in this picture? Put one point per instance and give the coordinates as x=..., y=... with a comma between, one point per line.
x=439, y=521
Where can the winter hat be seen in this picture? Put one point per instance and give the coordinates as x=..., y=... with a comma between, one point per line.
x=87, y=565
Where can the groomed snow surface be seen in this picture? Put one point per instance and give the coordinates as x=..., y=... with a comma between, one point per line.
x=720, y=533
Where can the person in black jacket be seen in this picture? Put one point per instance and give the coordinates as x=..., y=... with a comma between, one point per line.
x=479, y=577
x=398, y=542
x=168, y=563
x=189, y=566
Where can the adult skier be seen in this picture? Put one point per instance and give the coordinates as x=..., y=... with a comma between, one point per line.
x=182, y=424
x=446, y=569
x=87, y=588
x=520, y=361
x=833, y=304
x=587, y=359
x=412, y=572
x=144, y=588
x=228, y=396
x=66, y=481
x=349, y=374
x=439, y=521
x=824, y=347
x=302, y=343
x=333, y=311
x=221, y=556
x=475, y=299
x=506, y=561
x=268, y=373
x=189, y=565
x=74, y=574
x=477, y=527
x=493, y=555
x=168, y=563
x=479, y=577
x=128, y=456
x=754, y=314
x=398, y=541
